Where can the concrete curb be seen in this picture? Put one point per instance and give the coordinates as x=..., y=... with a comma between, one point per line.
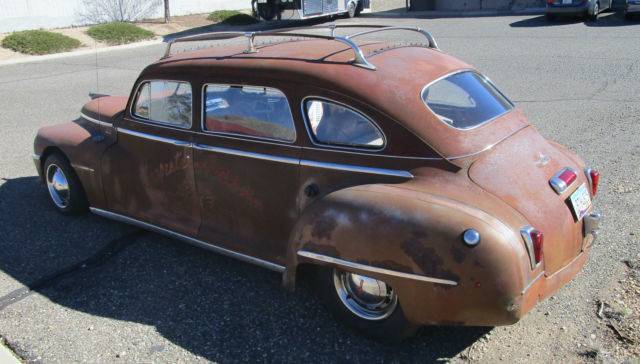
x=7, y=356
x=83, y=52
x=453, y=14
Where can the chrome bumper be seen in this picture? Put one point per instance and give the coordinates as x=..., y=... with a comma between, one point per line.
x=591, y=224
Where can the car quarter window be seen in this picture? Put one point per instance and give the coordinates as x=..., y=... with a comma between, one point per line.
x=334, y=124
x=164, y=102
x=465, y=100
x=261, y=112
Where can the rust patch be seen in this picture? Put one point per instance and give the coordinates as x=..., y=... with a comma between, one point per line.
x=458, y=254
x=426, y=257
x=324, y=226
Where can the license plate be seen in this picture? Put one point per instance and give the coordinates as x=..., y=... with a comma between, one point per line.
x=580, y=201
x=567, y=2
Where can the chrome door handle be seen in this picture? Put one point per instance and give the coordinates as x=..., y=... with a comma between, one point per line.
x=181, y=143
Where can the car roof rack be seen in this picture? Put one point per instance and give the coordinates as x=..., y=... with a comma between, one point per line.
x=359, y=60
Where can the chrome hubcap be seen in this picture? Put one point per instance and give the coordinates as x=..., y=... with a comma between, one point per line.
x=366, y=297
x=58, y=186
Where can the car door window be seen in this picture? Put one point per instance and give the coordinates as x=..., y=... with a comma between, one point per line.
x=334, y=124
x=164, y=102
x=260, y=112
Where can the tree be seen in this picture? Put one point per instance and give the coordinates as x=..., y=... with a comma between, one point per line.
x=167, y=14
x=101, y=11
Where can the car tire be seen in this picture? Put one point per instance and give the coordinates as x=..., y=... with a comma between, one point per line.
x=628, y=16
x=593, y=14
x=63, y=185
x=393, y=327
x=550, y=17
x=267, y=11
x=352, y=9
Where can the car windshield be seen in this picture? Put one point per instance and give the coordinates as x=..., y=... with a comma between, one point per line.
x=465, y=100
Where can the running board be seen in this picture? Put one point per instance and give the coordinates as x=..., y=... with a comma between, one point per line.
x=187, y=239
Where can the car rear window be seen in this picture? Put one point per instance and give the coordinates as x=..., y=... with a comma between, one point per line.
x=465, y=100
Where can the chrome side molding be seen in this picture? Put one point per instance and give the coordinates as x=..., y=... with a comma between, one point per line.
x=357, y=169
x=180, y=143
x=187, y=239
x=95, y=121
x=367, y=268
x=241, y=153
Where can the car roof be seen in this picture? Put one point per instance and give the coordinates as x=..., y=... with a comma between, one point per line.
x=393, y=88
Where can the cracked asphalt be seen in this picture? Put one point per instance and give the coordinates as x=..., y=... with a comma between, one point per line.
x=84, y=289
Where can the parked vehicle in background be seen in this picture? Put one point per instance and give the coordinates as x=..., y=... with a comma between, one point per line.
x=307, y=9
x=413, y=190
x=631, y=9
x=584, y=8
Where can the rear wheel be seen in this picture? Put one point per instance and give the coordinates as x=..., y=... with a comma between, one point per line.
x=365, y=304
x=550, y=17
x=63, y=185
x=593, y=13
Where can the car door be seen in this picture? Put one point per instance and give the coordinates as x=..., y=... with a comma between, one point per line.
x=246, y=161
x=148, y=173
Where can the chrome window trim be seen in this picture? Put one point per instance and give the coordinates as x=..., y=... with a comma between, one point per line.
x=340, y=147
x=136, y=118
x=513, y=106
x=156, y=138
x=368, y=268
x=242, y=136
x=96, y=121
x=199, y=243
x=304, y=162
x=240, y=153
x=357, y=169
x=378, y=155
x=280, y=144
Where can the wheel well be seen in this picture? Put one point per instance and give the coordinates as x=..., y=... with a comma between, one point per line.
x=46, y=153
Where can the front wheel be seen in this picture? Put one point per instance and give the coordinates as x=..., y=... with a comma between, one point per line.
x=63, y=185
x=365, y=304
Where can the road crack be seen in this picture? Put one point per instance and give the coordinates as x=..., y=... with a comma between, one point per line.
x=101, y=257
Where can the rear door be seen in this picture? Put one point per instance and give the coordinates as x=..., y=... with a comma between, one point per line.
x=148, y=173
x=246, y=167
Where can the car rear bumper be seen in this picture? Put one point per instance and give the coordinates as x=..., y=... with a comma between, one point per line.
x=632, y=8
x=568, y=9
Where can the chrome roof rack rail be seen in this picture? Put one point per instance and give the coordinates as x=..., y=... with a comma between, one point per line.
x=359, y=59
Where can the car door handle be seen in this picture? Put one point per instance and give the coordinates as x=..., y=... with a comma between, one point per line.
x=181, y=143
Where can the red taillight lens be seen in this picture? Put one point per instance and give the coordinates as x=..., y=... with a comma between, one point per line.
x=550, y=2
x=595, y=178
x=568, y=176
x=537, y=238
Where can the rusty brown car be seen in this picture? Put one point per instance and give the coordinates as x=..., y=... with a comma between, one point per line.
x=401, y=178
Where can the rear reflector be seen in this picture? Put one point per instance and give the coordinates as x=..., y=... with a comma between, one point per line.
x=594, y=178
x=563, y=179
x=533, y=240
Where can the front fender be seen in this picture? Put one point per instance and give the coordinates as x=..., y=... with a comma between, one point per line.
x=412, y=240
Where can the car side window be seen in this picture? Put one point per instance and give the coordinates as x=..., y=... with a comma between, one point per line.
x=338, y=125
x=164, y=102
x=260, y=112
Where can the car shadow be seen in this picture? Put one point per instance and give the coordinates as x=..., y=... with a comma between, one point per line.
x=210, y=305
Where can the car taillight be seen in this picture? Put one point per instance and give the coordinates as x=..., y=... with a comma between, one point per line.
x=594, y=178
x=534, y=241
x=563, y=179
x=550, y=2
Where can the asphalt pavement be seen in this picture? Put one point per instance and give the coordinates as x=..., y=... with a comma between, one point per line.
x=86, y=289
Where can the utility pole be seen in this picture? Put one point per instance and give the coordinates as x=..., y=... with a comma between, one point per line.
x=167, y=14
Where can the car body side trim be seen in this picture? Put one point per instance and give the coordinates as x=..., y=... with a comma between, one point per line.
x=347, y=264
x=156, y=138
x=82, y=168
x=188, y=239
x=96, y=121
x=241, y=153
x=357, y=169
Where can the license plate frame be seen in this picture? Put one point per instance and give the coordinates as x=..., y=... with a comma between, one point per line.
x=580, y=202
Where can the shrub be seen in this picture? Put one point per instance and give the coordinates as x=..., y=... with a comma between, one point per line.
x=39, y=42
x=231, y=17
x=118, y=33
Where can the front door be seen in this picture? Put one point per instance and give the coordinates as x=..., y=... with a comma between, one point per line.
x=148, y=174
x=246, y=165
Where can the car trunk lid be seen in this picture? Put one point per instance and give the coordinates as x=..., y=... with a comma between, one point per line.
x=518, y=171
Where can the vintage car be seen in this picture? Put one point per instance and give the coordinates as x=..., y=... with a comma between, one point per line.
x=585, y=8
x=631, y=9
x=398, y=177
